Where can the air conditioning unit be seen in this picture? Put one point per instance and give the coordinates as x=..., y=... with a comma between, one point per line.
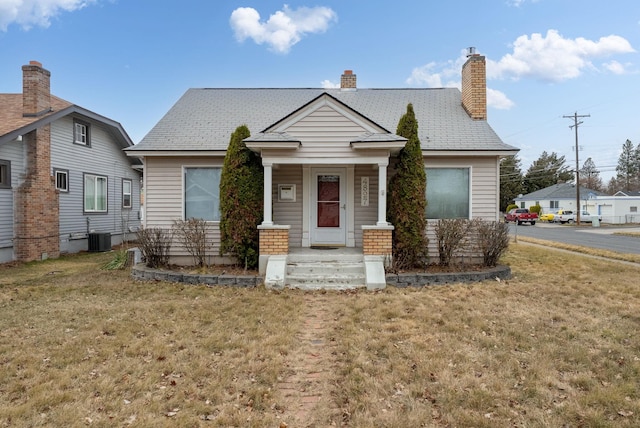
x=99, y=242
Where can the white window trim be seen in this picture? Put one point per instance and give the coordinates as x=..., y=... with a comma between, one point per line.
x=87, y=133
x=456, y=166
x=84, y=192
x=130, y=193
x=57, y=171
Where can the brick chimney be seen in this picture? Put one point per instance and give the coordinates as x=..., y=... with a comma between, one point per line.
x=37, y=213
x=348, y=80
x=36, y=90
x=474, y=86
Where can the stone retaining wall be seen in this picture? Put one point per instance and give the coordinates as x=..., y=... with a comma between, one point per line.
x=142, y=272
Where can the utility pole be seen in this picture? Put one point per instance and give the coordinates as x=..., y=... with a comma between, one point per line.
x=575, y=125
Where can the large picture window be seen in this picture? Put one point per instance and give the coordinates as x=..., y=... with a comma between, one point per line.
x=202, y=193
x=448, y=193
x=95, y=193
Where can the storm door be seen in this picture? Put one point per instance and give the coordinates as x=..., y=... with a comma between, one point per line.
x=328, y=210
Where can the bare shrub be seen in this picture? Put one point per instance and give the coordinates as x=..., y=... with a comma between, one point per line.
x=452, y=236
x=192, y=235
x=492, y=240
x=154, y=243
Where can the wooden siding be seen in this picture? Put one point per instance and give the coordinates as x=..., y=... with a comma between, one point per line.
x=289, y=213
x=103, y=157
x=164, y=197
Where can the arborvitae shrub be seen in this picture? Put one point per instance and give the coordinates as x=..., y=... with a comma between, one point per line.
x=406, y=202
x=241, y=200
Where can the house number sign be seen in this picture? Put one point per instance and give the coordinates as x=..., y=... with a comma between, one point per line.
x=364, y=189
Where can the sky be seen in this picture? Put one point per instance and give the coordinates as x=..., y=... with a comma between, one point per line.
x=131, y=60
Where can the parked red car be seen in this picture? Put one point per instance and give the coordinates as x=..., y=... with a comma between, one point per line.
x=521, y=215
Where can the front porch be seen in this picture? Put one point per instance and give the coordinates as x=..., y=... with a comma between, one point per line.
x=326, y=267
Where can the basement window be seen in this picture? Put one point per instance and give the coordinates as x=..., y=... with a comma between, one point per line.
x=5, y=174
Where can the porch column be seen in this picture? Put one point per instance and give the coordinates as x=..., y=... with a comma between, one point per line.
x=268, y=193
x=382, y=193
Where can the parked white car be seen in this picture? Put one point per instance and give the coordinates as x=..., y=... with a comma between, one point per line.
x=570, y=217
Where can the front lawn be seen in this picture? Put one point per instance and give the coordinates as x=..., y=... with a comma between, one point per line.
x=555, y=346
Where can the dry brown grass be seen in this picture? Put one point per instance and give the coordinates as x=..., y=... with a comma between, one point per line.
x=627, y=257
x=632, y=234
x=555, y=346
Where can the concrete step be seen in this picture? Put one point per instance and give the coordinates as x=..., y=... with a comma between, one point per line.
x=320, y=271
x=325, y=269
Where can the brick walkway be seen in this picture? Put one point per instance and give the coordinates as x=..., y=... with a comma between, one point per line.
x=306, y=389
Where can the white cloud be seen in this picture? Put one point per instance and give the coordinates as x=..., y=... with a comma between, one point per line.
x=438, y=75
x=499, y=100
x=283, y=29
x=328, y=84
x=553, y=57
x=29, y=13
x=615, y=67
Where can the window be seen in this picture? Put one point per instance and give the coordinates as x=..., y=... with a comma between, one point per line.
x=5, y=174
x=95, y=193
x=81, y=133
x=554, y=204
x=126, y=193
x=62, y=179
x=202, y=193
x=633, y=209
x=448, y=193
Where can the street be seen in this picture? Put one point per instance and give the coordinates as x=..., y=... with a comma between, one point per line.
x=585, y=235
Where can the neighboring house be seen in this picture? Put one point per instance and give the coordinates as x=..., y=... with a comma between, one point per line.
x=556, y=197
x=327, y=157
x=63, y=174
x=620, y=208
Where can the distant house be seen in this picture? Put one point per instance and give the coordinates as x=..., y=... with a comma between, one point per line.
x=327, y=157
x=621, y=208
x=558, y=196
x=63, y=174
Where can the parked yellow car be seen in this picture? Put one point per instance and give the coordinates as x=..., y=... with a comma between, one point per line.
x=548, y=217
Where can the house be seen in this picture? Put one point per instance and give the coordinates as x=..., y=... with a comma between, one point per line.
x=557, y=196
x=63, y=174
x=327, y=156
x=621, y=208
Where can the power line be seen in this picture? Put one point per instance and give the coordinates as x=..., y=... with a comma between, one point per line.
x=575, y=126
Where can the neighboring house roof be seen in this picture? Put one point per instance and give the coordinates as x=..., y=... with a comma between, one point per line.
x=558, y=191
x=203, y=119
x=627, y=193
x=14, y=124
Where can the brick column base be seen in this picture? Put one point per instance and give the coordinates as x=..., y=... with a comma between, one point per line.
x=377, y=241
x=274, y=241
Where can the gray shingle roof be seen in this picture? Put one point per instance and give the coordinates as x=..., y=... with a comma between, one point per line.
x=559, y=191
x=203, y=119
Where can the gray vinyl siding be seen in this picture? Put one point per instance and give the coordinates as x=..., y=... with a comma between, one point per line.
x=102, y=158
x=11, y=152
x=289, y=213
x=365, y=215
x=164, y=198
